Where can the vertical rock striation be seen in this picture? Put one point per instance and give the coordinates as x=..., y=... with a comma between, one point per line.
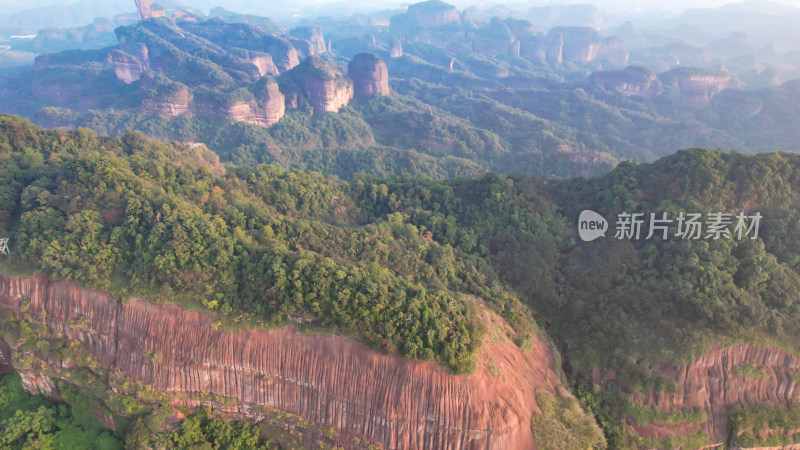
x=433, y=13
x=313, y=35
x=397, y=49
x=696, y=86
x=127, y=67
x=370, y=75
x=320, y=83
x=263, y=62
x=326, y=380
x=713, y=383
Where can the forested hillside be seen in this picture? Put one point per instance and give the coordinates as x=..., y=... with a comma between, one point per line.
x=454, y=98
x=404, y=264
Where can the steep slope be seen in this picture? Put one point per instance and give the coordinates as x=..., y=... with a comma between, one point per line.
x=720, y=380
x=449, y=356
x=667, y=340
x=327, y=380
x=670, y=342
x=318, y=83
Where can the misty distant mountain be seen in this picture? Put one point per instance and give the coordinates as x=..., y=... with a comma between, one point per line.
x=30, y=21
x=762, y=21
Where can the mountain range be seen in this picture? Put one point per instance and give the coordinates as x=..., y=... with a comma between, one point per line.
x=365, y=231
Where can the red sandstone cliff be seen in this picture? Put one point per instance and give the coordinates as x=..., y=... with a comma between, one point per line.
x=326, y=380
x=147, y=9
x=263, y=62
x=369, y=74
x=631, y=81
x=320, y=83
x=696, y=86
x=712, y=383
x=127, y=67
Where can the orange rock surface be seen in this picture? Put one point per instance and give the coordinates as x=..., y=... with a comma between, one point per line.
x=326, y=380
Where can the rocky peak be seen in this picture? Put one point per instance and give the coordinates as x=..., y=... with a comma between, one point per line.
x=397, y=49
x=495, y=38
x=631, y=81
x=312, y=35
x=369, y=74
x=261, y=103
x=270, y=104
x=147, y=9
x=319, y=82
x=583, y=45
x=522, y=29
x=164, y=97
x=578, y=44
x=433, y=13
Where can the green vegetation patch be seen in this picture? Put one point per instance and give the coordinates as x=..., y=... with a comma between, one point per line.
x=750, y=371
x=561, y=423
x=31, y=421
x=765, y=425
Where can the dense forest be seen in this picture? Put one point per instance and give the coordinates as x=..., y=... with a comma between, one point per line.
x=404, y=263
x=31, y=421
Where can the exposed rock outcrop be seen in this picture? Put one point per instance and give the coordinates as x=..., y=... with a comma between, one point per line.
x=696, y=86
x=261, y=104
x=715, y=383
x=396, y=50
x=327, y=380
x=320, y=83
x=583, y=45
x=495, y=39
x=164, y=97
x=37, y=384
x=313, y=35
x=263, y=62
x=284, y=55
x=433, y=13
x=369, y=74
x=631, y=81
x=175, y=107
x=432, y=22
x=127, y=67
x=147, y=9
x=270, y=105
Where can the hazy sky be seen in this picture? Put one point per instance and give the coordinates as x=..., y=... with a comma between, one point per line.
x=6, y=5
x=348, y=6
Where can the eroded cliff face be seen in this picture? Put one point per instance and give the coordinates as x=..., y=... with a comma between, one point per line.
x=326, y=380
x=328, y=96
x=716, y=382
x=127, y=67
x=265, y=109
x=369, y=74
x=177, y=104
x=313, y=36
x=397, y=49
x=264, y=64
x=318, y=82
x=696, y=87
x=582, y=45
x=433, y=13
x=630, y=82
